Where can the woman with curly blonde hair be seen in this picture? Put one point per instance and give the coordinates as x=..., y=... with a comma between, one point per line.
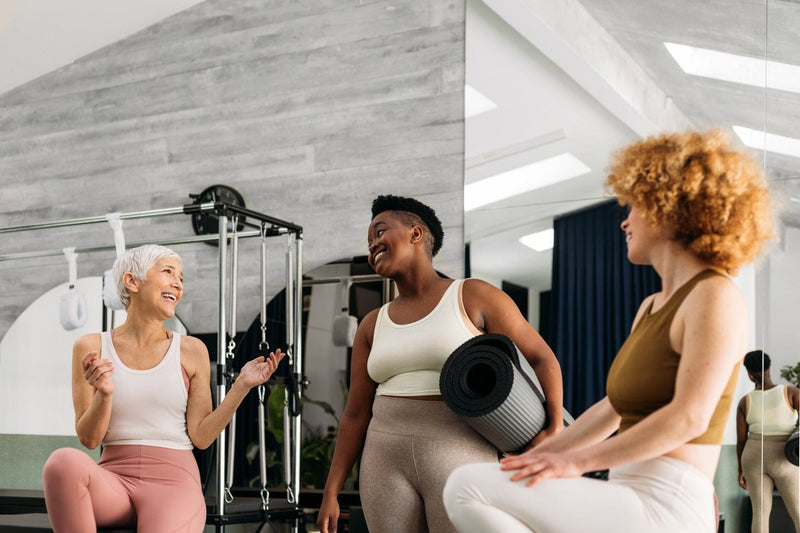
x=698, y=211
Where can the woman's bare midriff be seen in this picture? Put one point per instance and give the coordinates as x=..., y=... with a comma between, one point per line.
x=704, y=457
x=431, y=397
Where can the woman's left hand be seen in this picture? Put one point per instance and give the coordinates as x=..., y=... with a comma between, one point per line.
x=259, y=370
x=541, y=466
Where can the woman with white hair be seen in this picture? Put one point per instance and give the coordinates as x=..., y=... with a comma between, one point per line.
x=144, y=393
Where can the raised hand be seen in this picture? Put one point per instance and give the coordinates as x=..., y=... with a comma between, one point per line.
x=258, y=370
x=97, y=372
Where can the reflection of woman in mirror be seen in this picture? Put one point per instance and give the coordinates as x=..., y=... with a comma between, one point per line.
x=764, y=420
x=144, y=393
x=411, y=440
x=698, y=211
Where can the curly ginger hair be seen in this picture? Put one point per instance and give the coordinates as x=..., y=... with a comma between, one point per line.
x=714, y=200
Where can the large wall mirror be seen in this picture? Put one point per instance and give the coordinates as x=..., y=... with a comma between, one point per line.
x=554, y=87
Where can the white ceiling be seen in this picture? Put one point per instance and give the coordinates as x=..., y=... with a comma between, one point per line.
x=589, y=76
x=583, y=76
x=38, y=36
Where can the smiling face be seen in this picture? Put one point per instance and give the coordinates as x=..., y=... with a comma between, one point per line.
x=162, y=288
x=391, y=241
x=640, y=237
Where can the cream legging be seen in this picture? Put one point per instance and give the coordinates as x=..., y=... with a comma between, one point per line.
x=660, y=495
x=411, y=448
x=158, y=489
x=778, y=473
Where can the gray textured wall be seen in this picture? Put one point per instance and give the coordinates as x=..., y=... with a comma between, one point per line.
x=308, y=108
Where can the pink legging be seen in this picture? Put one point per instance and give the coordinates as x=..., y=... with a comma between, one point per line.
x=158, y=489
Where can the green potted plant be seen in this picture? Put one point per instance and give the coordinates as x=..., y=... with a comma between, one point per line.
x=791, y=374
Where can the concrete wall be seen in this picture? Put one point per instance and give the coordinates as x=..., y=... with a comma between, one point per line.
x=309, y=109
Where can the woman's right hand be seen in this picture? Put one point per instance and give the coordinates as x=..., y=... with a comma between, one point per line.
x=328, y=514
x=97, y=372
x=742, y=481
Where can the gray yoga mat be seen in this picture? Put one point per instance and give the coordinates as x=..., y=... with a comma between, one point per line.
x=492, y=386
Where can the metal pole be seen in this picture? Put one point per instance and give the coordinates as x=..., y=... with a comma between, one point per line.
x=185, y=240
x=359, y=278
x=223, y=241
x=298, y=359
x=289, y=436
x=102, y=219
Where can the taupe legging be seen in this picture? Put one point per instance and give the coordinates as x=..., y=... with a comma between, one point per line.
x=410, y=450
x=778, y=473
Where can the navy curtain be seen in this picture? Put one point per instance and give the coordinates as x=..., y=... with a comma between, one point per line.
x=595, y=294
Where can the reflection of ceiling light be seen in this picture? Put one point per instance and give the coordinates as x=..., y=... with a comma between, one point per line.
x=770, y=142
x=793, y=199
x=475, y=103
x=735, y=68
x=540, y=241
x=523, y=179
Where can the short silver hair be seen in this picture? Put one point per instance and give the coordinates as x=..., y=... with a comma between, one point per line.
x=137, y=261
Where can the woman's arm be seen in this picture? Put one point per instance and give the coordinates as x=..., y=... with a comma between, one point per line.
x=203, y=422
x=710, y=333
x=595, y=425
x=741, y=437
x=352, y=427
x=92, y=390
x=493, y=311
x=794, y=396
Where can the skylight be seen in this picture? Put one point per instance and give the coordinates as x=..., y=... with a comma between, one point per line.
x=540, y=241
x=523, y=179
x=736, y=68
x=760, y=140
x=476, y=102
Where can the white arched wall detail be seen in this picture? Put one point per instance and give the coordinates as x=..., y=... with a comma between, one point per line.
x=36, y=363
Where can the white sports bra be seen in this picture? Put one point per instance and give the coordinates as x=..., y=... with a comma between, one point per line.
x=770, y=413
x=406, y=359
x=148, y=406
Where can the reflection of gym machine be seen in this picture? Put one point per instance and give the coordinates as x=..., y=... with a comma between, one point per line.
x=222, y=509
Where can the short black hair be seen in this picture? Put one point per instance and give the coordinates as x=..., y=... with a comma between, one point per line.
x=389, y=202
x=752, y=361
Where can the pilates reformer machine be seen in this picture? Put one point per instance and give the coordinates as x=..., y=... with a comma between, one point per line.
x=232, y=223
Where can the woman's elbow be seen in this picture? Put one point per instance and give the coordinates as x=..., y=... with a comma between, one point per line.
x=89, y=443
x=201, y=444
x=692, y=424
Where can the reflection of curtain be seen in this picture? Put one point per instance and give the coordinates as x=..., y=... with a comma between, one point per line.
x=595, y=294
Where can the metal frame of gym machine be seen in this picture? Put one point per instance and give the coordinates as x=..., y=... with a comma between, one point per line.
x=294, y=294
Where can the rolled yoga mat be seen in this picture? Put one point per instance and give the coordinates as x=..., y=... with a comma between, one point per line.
x=489, y=382
x=792, y=449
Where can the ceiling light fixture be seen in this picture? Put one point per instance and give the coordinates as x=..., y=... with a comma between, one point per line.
x=476, y=102
x=761, y=140
x=523, y=179
x=540, y=241
x=736, y=68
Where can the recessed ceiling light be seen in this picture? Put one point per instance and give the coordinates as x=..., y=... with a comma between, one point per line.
x=523, y=179
x=736, y=68
x=770, y=142
x=476, y=102
x=540, y=241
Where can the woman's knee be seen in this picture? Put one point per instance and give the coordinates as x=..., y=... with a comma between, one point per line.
x=65, y=463
x=461, y=485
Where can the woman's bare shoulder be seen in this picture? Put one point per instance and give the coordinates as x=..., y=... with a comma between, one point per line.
x=87, y=343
